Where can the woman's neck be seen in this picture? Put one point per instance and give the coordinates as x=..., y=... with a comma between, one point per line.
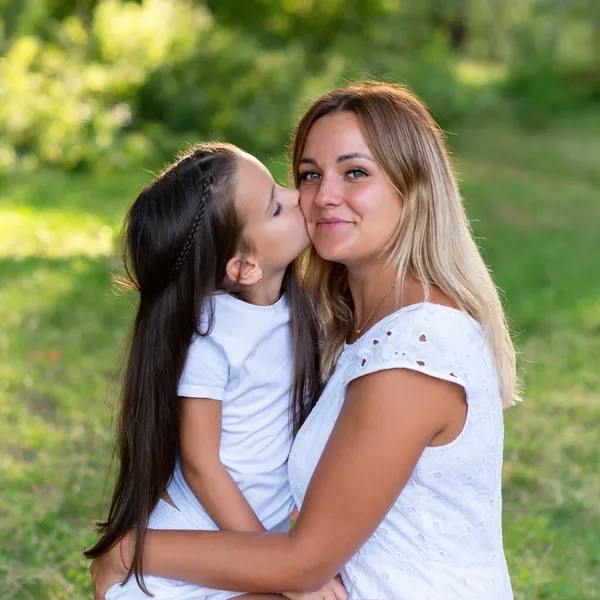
x=375, y=295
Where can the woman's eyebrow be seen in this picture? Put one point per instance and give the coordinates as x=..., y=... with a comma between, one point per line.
x=352, y=155
x=341, y=158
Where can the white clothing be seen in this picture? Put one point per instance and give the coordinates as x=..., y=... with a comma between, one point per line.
x=245, y=362
x=442, y=539
x=166, y=516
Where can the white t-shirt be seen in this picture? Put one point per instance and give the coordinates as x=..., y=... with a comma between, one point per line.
x=245, y=362
x=442, y=538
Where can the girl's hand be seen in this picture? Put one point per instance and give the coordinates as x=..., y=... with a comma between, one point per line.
x=334, y=590
x=108, y=569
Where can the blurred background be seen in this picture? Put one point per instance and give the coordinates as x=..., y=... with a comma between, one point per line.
x=96, y=95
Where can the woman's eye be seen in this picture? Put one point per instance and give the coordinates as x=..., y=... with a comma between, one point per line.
x=356, y=173
x=309, y=176
x=278, y=210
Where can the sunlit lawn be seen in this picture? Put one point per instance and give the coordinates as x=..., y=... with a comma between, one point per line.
x=535, y=204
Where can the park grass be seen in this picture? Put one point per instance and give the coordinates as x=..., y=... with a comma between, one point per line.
x=534, y=202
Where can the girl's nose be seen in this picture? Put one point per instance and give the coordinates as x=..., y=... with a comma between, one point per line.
x=292, y=196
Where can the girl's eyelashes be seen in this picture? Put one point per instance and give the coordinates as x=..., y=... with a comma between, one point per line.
x=278, y=210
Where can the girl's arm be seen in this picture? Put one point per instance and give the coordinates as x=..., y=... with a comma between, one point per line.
x=388, y=418
x=212, y=484
x=200, y=441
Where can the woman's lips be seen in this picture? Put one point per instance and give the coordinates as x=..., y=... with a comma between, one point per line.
x=331, y=223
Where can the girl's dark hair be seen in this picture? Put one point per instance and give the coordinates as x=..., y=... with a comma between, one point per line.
x=178, y=237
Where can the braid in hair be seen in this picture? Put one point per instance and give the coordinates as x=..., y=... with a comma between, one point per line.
x=207, y=181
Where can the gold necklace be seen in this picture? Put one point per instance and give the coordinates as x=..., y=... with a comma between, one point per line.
x=359, y=329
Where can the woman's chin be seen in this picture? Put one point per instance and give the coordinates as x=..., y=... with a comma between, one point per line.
x=331, y=255
x=332, y=247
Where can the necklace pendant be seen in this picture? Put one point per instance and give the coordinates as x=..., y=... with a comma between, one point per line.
x=359, y=329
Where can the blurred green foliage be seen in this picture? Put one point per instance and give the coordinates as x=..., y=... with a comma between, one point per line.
x=112, y=83
x=108, y=85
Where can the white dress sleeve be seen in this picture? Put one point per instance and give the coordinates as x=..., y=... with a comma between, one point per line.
x=435, y=340
x=206, y=370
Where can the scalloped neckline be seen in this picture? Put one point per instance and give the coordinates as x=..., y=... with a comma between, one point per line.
x=405, y=308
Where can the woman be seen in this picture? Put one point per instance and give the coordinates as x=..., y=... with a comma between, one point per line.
x=403, y=451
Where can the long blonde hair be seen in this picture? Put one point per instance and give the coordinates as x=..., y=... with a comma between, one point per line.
x=433, y=239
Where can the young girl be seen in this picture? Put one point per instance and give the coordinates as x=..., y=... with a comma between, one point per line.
x=210, y=247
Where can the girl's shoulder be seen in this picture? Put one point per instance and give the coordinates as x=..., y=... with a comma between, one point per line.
x=230, y=314
x=242, y=329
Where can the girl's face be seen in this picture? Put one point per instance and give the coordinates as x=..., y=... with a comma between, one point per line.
x=273, y=222
x=350, y=205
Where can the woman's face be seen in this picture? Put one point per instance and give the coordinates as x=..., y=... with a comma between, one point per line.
x=273, y=222
x=350, y=204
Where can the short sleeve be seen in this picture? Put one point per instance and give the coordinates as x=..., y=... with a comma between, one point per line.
x=206, y=370
x=435, y=340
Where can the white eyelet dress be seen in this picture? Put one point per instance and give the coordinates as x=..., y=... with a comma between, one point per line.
x=442, y=539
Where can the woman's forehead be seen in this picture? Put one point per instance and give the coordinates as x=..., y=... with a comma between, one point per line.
x=335, y=135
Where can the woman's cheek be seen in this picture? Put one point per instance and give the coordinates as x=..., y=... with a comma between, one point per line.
x=304, y=205
x=306, y=199
x=367, y=202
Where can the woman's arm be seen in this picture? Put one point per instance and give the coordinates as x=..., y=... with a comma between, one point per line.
x=388, y=418
x=200, y=441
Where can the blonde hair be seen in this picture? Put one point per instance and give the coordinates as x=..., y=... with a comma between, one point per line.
x=433, y=239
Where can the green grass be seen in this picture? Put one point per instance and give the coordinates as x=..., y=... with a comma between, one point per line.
x=535, y=200
x=535, y=204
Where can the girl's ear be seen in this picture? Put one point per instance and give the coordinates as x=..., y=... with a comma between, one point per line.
x=243, y=269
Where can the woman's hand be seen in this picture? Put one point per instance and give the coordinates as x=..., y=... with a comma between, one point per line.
x=108, y=569
x=334, y=590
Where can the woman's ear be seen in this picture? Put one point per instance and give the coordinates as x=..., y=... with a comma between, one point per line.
x=243, y=269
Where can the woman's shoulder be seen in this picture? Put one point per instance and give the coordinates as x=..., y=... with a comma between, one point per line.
x=439, y=320
x=432, y=338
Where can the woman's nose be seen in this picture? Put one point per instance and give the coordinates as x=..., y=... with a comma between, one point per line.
x=327, y=194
